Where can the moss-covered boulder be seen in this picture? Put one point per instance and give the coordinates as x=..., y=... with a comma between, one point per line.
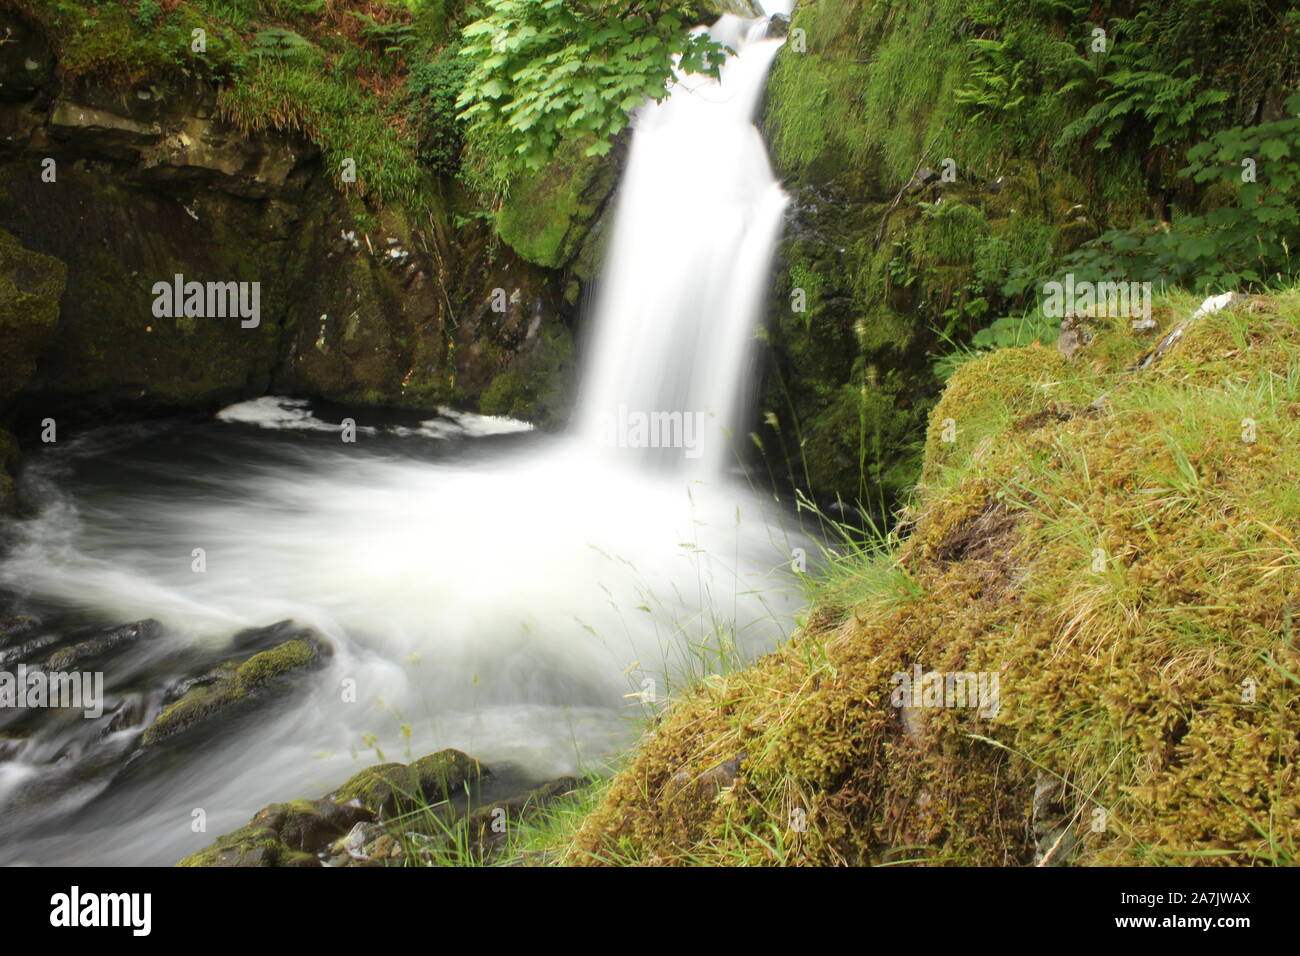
x=547, y=213
x=393, y=788
x=302, y=832
x=231, y=687
x=73, y=656
x=282, y=834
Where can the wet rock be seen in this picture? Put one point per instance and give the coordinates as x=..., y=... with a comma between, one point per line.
x=28, y=651
x=131, y=712
x=342, y=827
x=31, y=285
x=358, y=844
x=202, y=148
x=16, y=627
x=100, y=131
x=67, y=658
x=392, y=788
x=232, y=685
x=311, y=825
x=250, y=846
x=283, y=834
x=340, y=831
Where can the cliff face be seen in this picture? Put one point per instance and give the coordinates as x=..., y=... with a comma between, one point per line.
x=106, y=190
x=128, y=188
x=944, y=160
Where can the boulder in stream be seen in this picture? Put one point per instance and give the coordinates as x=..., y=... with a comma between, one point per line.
x=234, y=684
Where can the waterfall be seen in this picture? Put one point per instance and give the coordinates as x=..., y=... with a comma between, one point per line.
x=513, y=594
x=696, y=224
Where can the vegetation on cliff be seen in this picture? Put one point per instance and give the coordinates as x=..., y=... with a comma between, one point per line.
x=1116, y=544
x=388, y=88
x=1026, y=140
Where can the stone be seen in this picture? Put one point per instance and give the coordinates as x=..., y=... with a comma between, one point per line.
x=231, y=686
x=392, y=788
x=68, y=658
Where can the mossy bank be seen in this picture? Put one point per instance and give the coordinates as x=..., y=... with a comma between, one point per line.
x=1109, y=548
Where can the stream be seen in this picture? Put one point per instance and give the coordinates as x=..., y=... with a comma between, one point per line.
x=527, y=598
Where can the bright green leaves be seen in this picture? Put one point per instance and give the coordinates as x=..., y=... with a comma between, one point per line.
x=544, y=70
x=1249, y=239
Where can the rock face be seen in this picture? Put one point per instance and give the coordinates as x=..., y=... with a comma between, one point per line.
x=30, y=288
x=105, y=193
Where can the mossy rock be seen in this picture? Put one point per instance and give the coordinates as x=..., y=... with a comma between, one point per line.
x=294, y=833
x=547, y=214
x=1093, y=535
x=31, y=285
x=232, y=685
x=536, y=388
x=249, y=846
x=392, y=788
x=282, y=834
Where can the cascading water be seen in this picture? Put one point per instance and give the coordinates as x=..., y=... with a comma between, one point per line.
x=498, y=593
x=698, y=219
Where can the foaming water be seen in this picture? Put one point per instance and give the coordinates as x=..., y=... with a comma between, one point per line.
x=511, y=594
x=504, y=600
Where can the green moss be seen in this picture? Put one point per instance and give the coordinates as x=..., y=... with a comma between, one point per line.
x=545, y=215
x=230, y=685
x=536, y=387
x=260, y=668
x=363, y=149
x=250, y=846
x=392, y=788
x=939, y=199
x=31, y=285
x=124, y=48
x=1111, y=543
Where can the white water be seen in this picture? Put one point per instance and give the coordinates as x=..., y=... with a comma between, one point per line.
x=689, y=259
x=504, y=599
